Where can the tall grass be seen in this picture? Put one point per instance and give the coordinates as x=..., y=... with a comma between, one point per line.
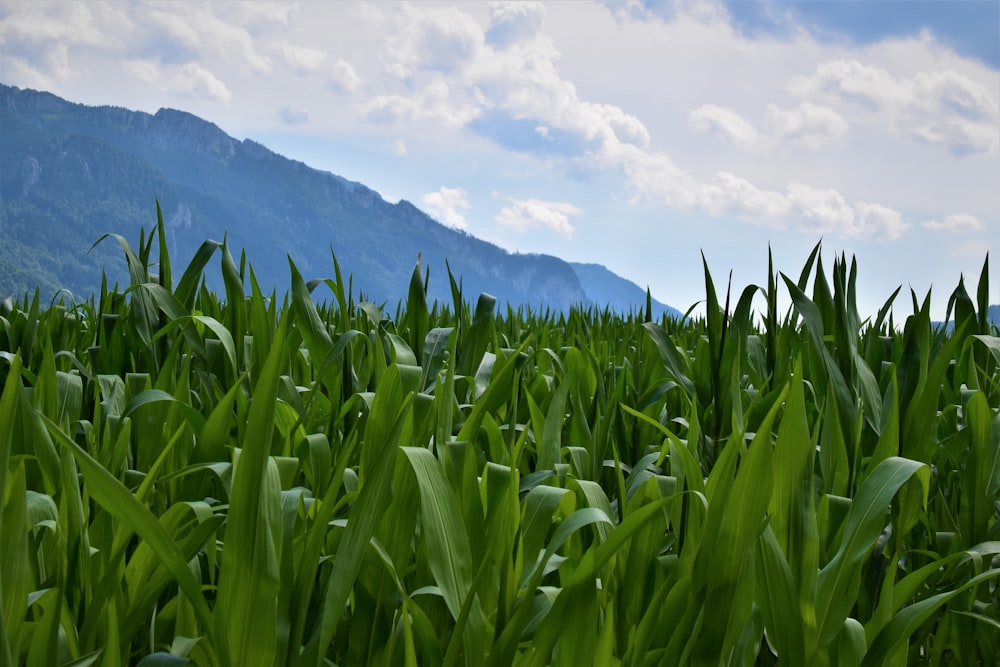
x=303, y=479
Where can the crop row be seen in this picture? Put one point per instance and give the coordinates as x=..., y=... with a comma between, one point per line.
x=310, y=479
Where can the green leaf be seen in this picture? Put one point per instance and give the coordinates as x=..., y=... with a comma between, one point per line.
x=839, y=580
x=448, y=551
x=385, y=422
x=673, y=360
x=119, y=502
x=906, y=622
x=161, y=659
x=249, y=578
x=778, y=599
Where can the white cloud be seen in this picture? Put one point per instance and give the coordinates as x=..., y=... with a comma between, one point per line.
x=258, y=13
x=144, y=70
x=438, y=39
x=850, y=80
x=877, y=223
x=196, y=28
x=801, y=207
x=806, y=124
x=738, y=196
x=36, y=39
x=434, y=102
x=821, y=210
x=344, y=77
x=307, y=61
x=726, y=122
x=446, y=205
x=512, y=22
x=525, y=214
x=193, y=80
x=506, y=80
x=944, y=107
x=454, y=76
x=293, y=115
x=190, y=80
x=959, y=222
x=69, y=24
x=653, y=176
x=25, y=74
x=399, y=147
x=302, y=59
x=968, y=250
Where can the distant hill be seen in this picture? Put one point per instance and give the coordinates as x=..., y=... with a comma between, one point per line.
x=70, y=173
x=992, y=314
x=604, y=287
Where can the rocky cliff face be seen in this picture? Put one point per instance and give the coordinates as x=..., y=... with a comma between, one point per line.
x=182, y=132
x=31, y=171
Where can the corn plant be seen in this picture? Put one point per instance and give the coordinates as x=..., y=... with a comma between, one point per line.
x=313, y=479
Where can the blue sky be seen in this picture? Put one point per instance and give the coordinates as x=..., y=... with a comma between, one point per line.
x=970, y=27
x=634, y=134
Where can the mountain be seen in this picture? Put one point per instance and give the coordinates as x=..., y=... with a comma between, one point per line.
x=70, y=173
x=604, y=287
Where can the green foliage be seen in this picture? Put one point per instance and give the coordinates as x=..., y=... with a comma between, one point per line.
x=235, y=478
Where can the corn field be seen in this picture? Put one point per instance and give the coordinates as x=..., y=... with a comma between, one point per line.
x=311, y=479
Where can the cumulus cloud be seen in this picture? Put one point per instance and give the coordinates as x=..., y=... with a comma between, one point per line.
x=293, y=115
x=959, y=222
x=504, y=82
x=876, y=222
x=525, y=214
x=944, y=108
x=190, y=80
x=806, y=124
x=799, y=207
x=196, y=28
x=456, y=74
x=446, y=205
x=439, y=39
x=188, y=42
x=200, y=29
x=69, y=24
x=725, y=122
x=307, y=61
x=512, y=22
x=25, y=74
x=257, y=14
x=652, y=175
x=968, y=250
x=193, y=80
x=870, y=86
x=302, y=59
x=344, y=77
x=37, y=39
x=144, y=70
x=434, y=102
x=820, y=209
x=734, y=195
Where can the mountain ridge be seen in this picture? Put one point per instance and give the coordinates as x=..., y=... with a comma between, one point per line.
x=72, y=172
